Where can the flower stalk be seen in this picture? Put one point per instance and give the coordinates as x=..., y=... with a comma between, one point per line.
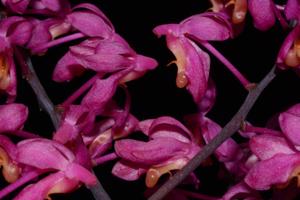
x=243, y=80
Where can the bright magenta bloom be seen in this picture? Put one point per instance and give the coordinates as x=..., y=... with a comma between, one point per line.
x=192, y=62
x=278, y=157
x=9, y=38
x=49, y=156
x=170, y=147
x=103, y=56
x=84, y=20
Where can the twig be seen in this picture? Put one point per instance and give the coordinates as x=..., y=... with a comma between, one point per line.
x=34, y=82
x=98, y=191
x=29, y=73
x=226, y=132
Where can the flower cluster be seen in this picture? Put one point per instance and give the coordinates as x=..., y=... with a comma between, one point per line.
x=95, y=128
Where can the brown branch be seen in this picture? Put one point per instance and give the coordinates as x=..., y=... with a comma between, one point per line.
x=226, y=132
x=29, y=74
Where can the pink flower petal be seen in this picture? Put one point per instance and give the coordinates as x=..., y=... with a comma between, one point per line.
x=101, y=92
x=67, y=68
x=66, y=133
x=7, y=23
x=12, y=117
x=141, y=64
x=47, y=154
x=96, y=10
x=290, y=123
x=127, y=172
x=20, y=33
x=152, y=152
x=276, y=170
x=292, y=9
x=266, y=146
x=53, y=183
x=193, y=65
x=262, y=13
x=40, y=33
x=216, y=26
x=90, y=24
x=106, y=55
x=166, y=127
x=79, y=173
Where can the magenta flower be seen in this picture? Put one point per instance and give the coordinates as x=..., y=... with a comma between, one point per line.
x=193, y=63
x=90, y=139
x=15, y=31
x=85, y=19
x=170, y=147
x=49, y=156
x=103, y=56
x=277, y=164
x=278, y=157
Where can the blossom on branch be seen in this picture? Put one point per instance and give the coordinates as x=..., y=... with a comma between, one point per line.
x=170, y=147
x=49, y=155
x=278, y=155
x=192, y=62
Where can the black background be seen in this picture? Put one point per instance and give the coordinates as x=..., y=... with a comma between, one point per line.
x=155, y=94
